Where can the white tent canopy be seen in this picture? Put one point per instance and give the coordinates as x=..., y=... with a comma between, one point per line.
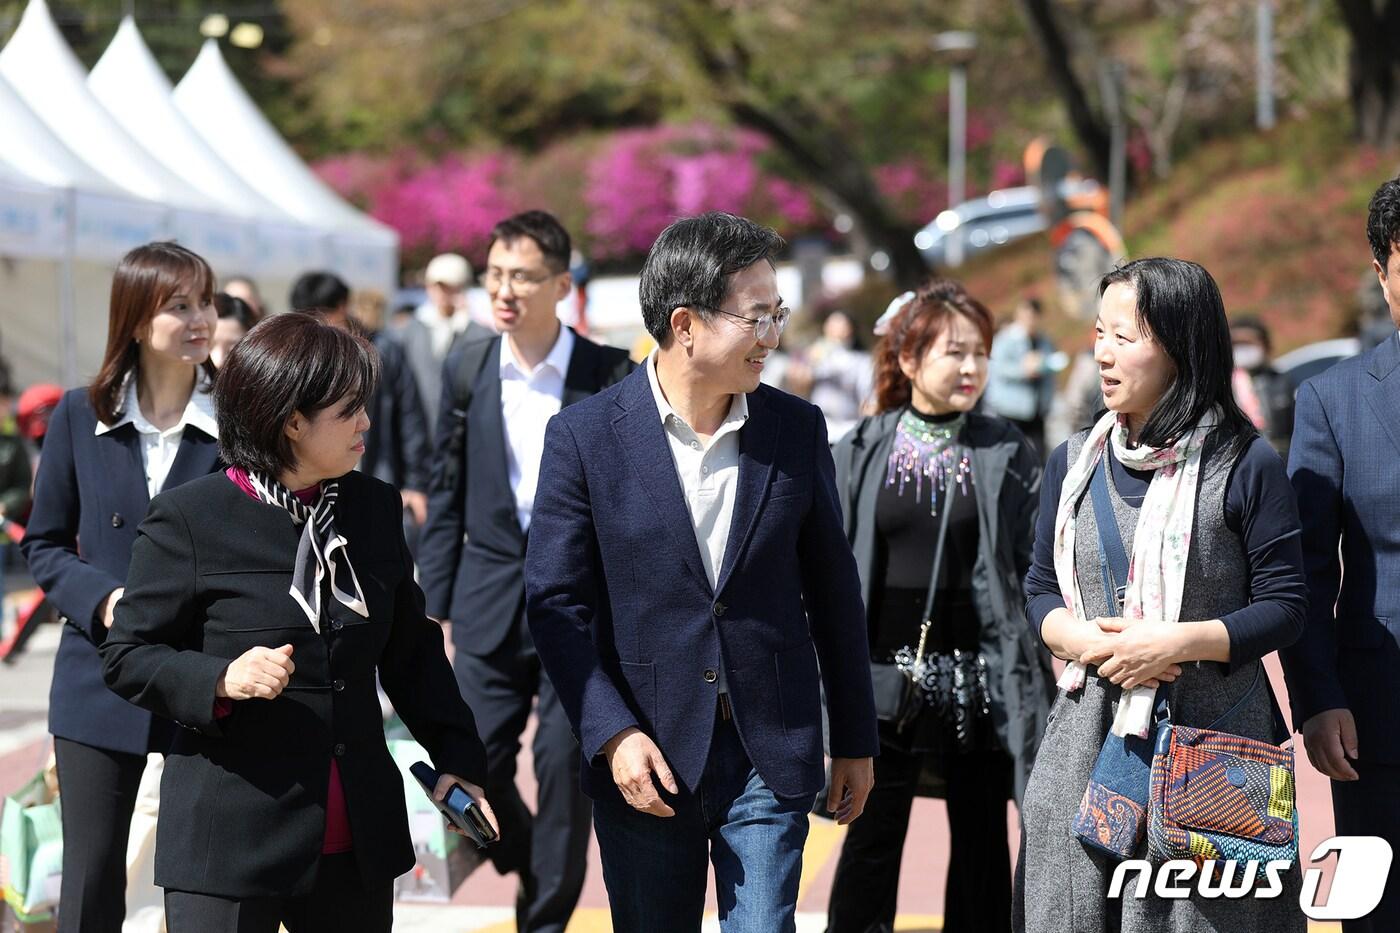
x=210, y=97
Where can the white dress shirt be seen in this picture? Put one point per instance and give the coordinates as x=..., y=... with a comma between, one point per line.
x=709, y=475
x=529, y=398
x=159, y=448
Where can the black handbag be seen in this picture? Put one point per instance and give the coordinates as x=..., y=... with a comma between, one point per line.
x=898, y=699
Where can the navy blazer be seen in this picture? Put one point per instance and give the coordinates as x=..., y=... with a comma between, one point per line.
x=89, y=497
x=1345, y=465
x=398, y=444
x=471, y=557
x=629, y=628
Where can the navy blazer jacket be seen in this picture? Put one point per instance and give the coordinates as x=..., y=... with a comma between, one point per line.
x=629, y=628
x=89, y=497
x=471, y=557
x=1345, y=465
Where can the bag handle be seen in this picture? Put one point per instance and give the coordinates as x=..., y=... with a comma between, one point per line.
x=1282, y=734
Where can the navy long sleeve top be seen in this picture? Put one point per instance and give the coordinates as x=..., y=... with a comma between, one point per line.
x=1260, y=507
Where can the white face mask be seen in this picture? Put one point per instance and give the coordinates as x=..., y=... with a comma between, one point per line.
x=1249, y=356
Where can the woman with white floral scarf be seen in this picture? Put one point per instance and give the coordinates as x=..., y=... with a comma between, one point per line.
x=1214, y=584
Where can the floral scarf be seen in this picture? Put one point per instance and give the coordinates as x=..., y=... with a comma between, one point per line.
x=1157, y=566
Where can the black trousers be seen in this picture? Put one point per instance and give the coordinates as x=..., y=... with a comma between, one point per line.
x=978, y=893
x=1371, y=807
x=340, y=901
x=99, y=793
x=549, y=849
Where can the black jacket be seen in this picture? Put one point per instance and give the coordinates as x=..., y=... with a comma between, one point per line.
x=398, y=442
x=1007, y=485
x=243, y=800
x=471, y=557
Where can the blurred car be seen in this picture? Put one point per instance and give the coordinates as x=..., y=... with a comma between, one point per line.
x=1001, y=217
x=1307, y=361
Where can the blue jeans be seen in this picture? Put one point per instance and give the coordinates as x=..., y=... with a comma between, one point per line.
x=655, y=868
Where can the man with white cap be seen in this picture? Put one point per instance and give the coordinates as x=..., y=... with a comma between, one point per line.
x=439, y=324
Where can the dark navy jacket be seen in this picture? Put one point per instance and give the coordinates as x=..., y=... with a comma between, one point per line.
x=89, y=497
x=628, y=627
x=398, y=443
x=1345, y=465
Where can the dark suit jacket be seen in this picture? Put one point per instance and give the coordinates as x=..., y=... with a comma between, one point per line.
x=478, y=582
x=243, y=800
x=1345, y=465
x=89, y=498
x=628, y=627
x=398, y=443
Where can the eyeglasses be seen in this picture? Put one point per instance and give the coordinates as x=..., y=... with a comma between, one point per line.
x=772, y=323
x=521, y=282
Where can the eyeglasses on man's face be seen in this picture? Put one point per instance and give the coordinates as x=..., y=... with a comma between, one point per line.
x=522, y=282
x=770, y=324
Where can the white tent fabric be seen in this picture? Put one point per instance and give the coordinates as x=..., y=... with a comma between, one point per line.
x=364, y=251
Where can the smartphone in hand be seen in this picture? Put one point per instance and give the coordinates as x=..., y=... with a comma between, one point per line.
x=460, y=808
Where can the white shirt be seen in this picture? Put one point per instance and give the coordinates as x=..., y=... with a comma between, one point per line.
x=709, y=475
x=442, y=329
x=529, y=398
x=159, y=448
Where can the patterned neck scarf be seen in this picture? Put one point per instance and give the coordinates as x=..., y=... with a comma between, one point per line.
x=1157, y=566
x=320, y=551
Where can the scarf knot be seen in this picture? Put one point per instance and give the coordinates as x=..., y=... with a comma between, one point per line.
x=322, y=552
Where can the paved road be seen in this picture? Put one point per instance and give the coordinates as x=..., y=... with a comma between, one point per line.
x=484, y=902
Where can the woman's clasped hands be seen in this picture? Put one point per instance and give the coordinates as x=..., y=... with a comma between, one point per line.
x=1134, y=652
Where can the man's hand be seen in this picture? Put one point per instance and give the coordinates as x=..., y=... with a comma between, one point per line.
x=444, y=784
x=260, y=673
x=1142, y=653
x=416, y=503
x=110, y=605
x=1330, y=739
x=633, y=756
x=851, y=781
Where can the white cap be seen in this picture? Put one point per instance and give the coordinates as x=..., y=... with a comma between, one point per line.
x=448, y=269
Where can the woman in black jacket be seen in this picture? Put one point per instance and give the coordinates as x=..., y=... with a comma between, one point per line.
x=146, y=423
x=261, y=604
x=940, y=504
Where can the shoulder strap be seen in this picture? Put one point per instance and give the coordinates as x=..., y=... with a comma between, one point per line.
x=937, y=565
x=451, y=465
x=474, y=357
x=1113, y=558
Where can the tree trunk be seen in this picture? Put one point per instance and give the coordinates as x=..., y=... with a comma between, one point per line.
x=1090, y=129
x=1374, y=78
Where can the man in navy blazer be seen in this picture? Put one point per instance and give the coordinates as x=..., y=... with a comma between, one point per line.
x=1342, y=674
x=690, y=591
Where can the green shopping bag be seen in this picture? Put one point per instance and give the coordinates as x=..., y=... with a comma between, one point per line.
x=31, y=851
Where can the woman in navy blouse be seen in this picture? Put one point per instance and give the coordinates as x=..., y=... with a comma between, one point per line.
x=146, y=423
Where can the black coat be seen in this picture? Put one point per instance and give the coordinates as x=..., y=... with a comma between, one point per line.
x=471, y=557
x=89, y=498
x=1006, y=474
x=243, y=800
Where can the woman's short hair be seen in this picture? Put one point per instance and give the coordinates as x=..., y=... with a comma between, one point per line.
x=287, y=363
x=914, y=329
x=1179, y=305
x=146, y=278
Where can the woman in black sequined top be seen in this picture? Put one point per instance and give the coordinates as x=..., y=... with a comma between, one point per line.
x=926, y=471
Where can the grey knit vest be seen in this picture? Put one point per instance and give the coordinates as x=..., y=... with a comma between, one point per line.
x=1217, y=583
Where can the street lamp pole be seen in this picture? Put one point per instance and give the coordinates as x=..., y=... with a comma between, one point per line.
x=957, y=48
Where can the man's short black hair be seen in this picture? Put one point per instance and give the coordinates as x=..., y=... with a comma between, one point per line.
x=1383, y=222
x=542, y=227
x=320, y=290
x=690, y=264
x=288, y=363
x=1251, y=323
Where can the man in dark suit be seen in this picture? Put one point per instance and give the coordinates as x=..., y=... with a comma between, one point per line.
x=687, y=571
x=497, y=396
x=1342, y=673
